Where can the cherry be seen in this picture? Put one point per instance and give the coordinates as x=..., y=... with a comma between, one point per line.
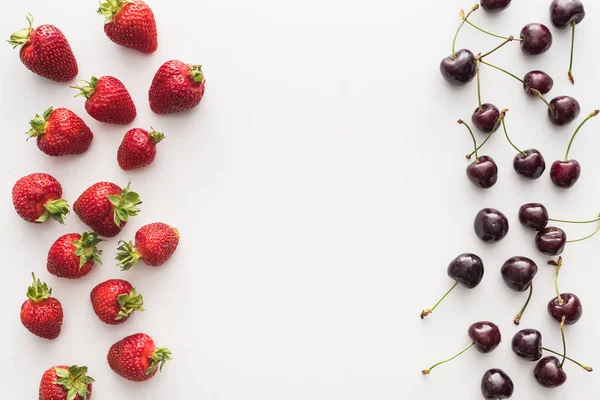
x=467, y=270
x=495, y=5
x=570, y=308
x=551, y=240
x=527, y=344
x=565, y=173
x=496, y=384
x=535, y=39
x=490, y=225
x=460, y=67
x=563, y=110
x=533, y=216
x=564, y=13
x=530, y=163
x=485, y=338
x=485, y=118
x=483, y=172
x=518, y=273
x=549, y=372
x=538, y=80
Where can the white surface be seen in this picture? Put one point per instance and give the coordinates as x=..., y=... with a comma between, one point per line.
x=320, y=193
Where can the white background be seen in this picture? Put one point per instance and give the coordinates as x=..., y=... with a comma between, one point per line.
x=320, y=193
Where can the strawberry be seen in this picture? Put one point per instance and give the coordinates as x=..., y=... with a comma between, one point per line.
x=138, y=148
x=41, y=314
x=176, y=87
x=105, y=207
x=37, y=197
x=46, y=51
x=130, y=23
x=66, y=383
x=136, y=357
x=115, y=300
x=73, y=255
x=154, y=244
x=60, y=132
x=107, y=100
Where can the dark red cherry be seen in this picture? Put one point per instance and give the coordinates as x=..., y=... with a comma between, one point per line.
x=530, y=165
x=483, y=172
x=486, y=336
x=538, y=80
x=551, y=240
x=496, y=384
x=549, y=373
x=467, y=270
x=564, y=174
x=518, y=272
x=485, y=118
x=563, y=110
x=527, y=344
x=563, y=12
x=461, y=69
x=490, y=225
x=571, y=308
x=495, y=5
x=535, y=38
x=533, y=216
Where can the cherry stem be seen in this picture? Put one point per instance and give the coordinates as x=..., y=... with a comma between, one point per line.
x=460, y=121
x=538, y=94
x=588, y=369
x=575, y=222
x=489, y=33
x=573, y=23
x=510, y=141
x=464, y=19
x=558, y=267
x=428, y=371
x=517, y=320
x=586, y=237
x=502, y=114
x=562, y=333
x=592, y=114
x=501, y=69
x=428, y=311
x=479, y=83
x=508, y=39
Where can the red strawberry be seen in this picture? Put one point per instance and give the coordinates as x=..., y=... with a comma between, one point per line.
x=41, y=314
x=107, y=100
x=154, y=244
x=105, y=207
x=37, y=197
x=46, y=51
x=66, y=383
x=73, y=255
x=115, y=300
x=130, y=23
x=176, y=87
x=60, y=132
x=138, y=148
x=136, y=357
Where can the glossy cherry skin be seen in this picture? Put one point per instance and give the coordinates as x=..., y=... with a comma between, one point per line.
x=564, y=109
x=467, y=270
x=495, y=5
x=538, y=80
x=533, y=216
x=518, y=272
x=486, y=118
x=483, y=172
x=571, y=308
x=536, y=38
x=531, y=165
x=486, y=336
x=551, y=240
x=496, y=384
x=460, y=70
x=548, y=372
x=490, y=225
x=563, y=12
x=527, y=344
x=564, y=174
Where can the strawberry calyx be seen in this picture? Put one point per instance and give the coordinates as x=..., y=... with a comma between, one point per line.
x=156, y=137
x=38, y=123
x=110, y=8
x=87, y=90
x=129, y=303
x=75, y=381
x=125, y=204
x=196, y=73
x=57, y=209
x=21, y=37
x=159, y=357
x=127, y=255
x=86, y=250
x=38, y=291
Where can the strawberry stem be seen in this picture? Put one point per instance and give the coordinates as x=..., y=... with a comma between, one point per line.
x=38, y=124
x=110, y=8
x=159, y=358
x=156, y=137
x=125, y=205
x=129, y=303
x=86, y=250
x=88, y=90
x=21, y=37
x=127, y=255
x=57, y=209
x=196, y=73
x=38, y=291
x=75, y=381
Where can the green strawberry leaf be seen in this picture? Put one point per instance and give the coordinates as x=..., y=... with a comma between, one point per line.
x=22, y=37
x=38, y=291
x=86, y=248
x=127, y=255
x=159, y=358
x=125, y=205
x=129, y=303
